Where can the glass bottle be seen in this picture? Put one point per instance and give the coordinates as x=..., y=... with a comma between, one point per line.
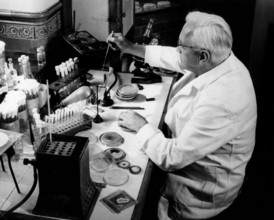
x=9, y=78
x=29, y=72
x=24, y=67
x=43, y=54
x=39, y=58
x=13, y=71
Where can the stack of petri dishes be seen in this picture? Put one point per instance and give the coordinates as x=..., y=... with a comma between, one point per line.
x=127, y=92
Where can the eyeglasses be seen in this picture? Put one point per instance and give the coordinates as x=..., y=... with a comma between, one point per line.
x=179, y=44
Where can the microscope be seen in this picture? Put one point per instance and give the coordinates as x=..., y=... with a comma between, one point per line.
x=143, y=73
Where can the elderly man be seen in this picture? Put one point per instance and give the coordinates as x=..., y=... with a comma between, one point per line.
x=211, y=116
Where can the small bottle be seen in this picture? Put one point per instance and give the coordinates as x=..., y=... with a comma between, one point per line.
x=20, y=69
x=9, y=78
x=42, y=48
x=29, y=68
x=13, y=71
x=39, y=58
x=26, y=68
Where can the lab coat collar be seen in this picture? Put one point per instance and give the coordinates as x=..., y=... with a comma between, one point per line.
x=181, y=86
x=212, y=75
x=189, y=83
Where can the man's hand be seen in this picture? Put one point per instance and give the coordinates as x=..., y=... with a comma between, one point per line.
x=131, y=120
x=118, y=40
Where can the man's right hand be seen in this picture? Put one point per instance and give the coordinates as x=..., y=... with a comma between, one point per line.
x=119, y=40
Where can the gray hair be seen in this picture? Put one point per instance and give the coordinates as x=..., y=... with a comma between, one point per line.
x=211, y=32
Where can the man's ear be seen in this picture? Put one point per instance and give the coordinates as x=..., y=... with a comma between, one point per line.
x=204, y=55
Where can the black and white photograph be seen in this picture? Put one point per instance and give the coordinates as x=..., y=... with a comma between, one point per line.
x=136, y=109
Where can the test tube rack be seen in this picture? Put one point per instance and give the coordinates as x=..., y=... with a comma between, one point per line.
x=64, y=87
x=72, y=125
x=69, y=79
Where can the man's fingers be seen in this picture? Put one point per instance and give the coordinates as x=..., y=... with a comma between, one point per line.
x=116, y=35
x=120, y=123
x=121, y=116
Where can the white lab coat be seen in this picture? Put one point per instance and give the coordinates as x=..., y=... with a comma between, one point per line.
x=212, y=119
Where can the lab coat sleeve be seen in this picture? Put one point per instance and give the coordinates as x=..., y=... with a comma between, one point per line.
x=208, y=129
x=146, y=132
x=163, y=57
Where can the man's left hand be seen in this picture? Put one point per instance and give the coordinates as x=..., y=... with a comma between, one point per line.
x=131, y=120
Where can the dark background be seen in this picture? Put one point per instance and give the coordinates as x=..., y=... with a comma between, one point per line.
x=252, y=24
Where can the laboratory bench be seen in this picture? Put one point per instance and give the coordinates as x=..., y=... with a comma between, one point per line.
x=137, y=184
